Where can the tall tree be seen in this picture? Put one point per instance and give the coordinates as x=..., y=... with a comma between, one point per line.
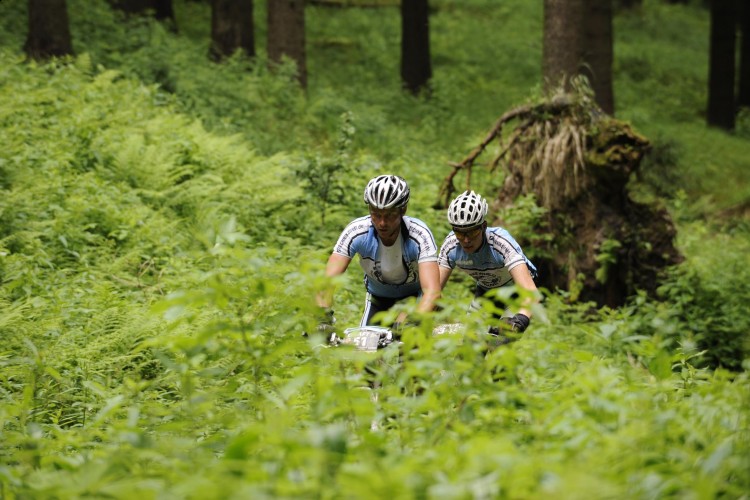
x=562, y=42
x=743, y=97
x=49, y=30
x=577, y=40
x=416, y=66
x=628, y=4
x=162, y=9
x=721, y=76
x=598, y=51
x=286, y=34
x=231, y=28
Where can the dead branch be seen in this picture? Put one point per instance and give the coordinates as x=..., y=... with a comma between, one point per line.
x=447, y=188
x=513, y=141
x=527, y=113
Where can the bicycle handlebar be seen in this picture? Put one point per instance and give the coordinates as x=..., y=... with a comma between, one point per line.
x=373, y=338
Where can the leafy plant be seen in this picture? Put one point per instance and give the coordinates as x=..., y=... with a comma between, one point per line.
x=325, y=180
x=606, y=257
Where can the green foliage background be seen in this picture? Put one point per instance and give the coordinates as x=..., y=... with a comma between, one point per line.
x=164, y=222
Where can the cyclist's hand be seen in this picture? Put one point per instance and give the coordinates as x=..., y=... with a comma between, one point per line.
x=326, y=321
x=519, y=323
x=498, y=335
x=334, y=339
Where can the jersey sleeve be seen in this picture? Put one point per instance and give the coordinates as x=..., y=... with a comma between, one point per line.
x=511, y=251
x=446, y=257
x=428, y=251
x=346, y=245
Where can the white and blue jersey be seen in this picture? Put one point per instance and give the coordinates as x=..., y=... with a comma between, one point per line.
x=418, y=245
x=490, y=265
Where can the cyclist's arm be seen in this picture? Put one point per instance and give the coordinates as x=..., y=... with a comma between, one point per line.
x=522, y=277
x=336, y=265
x=429, y=278
x=445, y=273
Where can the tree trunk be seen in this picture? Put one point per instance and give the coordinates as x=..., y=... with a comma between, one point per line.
x=628, y=4
x=743, y=98
x=231, y=28
x=416, y=68
x=597, y=52
x=49, y=30
x=286, y=34
x=721, y=78
x=562, y=42
x=162, y=9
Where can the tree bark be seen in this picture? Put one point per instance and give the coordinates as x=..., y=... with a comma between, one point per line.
x=743, y=97
x=721, y=78
x=416, y=67
x=162, y=9
x=286, y=34
x=628, y=4
x=231, y=28
x=562, y=42
x=49, y=30
x=597, y=52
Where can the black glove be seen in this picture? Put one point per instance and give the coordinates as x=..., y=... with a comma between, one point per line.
x=519, y=322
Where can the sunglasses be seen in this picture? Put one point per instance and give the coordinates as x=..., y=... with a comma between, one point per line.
x=468, y=233
x=386, y=214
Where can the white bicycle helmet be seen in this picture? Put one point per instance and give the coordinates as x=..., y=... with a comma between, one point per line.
x=387, y=191
x=467, y=210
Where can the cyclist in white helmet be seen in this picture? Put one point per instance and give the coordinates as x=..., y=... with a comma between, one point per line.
x=398, y=254
x=490, y=255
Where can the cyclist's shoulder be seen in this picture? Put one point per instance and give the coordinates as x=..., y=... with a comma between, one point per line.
x=416, y=226
x=450, y=243
x=364, y=221
x=355, y=233
x=498, y=230
x=361, y=226
x=500, y=238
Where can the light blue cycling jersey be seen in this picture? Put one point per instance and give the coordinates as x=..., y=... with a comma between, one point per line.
x=418, y=245
x=491, y=264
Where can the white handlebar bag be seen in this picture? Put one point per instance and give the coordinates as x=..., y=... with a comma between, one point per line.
x=368, y=338
x=449, y=328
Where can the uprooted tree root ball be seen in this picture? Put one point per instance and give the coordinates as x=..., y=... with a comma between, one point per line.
x=575, y=162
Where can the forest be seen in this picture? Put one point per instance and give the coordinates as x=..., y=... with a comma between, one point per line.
x=168, y=205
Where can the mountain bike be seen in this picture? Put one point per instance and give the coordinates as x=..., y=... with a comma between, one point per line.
x=373, y=338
